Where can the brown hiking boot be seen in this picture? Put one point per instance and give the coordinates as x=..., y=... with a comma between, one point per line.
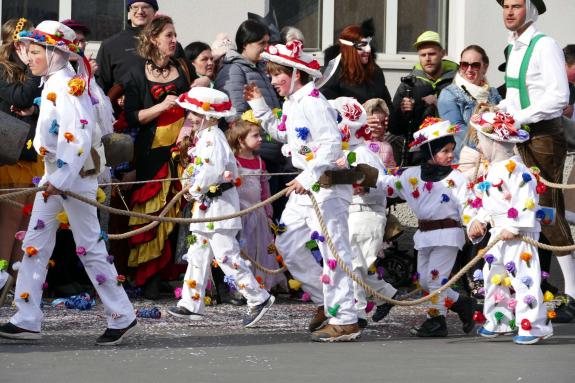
x=318, y=321
x=337, y=333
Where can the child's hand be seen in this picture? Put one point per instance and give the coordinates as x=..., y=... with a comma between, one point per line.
x=477, y=230
x=252, y=92
x=506, y=235
x=295, y=186
x=341, y=162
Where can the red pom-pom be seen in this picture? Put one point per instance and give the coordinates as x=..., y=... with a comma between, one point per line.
x=478, y=317
x=238, y=182
x=27, y=209
x=541, y=188
x=526, y=324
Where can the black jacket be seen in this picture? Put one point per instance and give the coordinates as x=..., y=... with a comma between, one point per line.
x=22, y=96
x=373, y=88
x=420, y=87
x=117, y=55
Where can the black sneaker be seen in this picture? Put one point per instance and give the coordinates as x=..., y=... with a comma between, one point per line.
x=432, y=327
x=566, y=311
x=465, y=307
x=256, y=313
x=361, y=323
x=182, y=312
x=113, y=337
x=381, y=311
x=11, y=331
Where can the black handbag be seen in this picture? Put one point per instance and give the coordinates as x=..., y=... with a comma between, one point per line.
x=14, y=133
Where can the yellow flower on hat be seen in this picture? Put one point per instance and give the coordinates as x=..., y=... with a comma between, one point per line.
x=248, y=116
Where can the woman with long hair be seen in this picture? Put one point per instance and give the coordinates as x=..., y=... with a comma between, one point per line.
x=18, y=89
x=150, y=105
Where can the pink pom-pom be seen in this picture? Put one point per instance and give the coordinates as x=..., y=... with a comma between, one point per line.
x=325, y=279
x=228, y=176
x=305, y=297
x=20, y=235
x=178, y=292
x=369, y=307
x=332, y=264
x=81, y=251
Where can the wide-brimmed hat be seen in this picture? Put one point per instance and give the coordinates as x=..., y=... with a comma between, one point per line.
x=292, y=55
x=51, y=33
x=539, y=4
x=352, y=121
x=499, y=126
x=209, y=102
x=431, y=129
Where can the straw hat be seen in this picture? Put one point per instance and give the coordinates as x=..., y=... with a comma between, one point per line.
x=209, y=102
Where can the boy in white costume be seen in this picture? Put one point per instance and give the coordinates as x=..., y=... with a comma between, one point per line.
x=508, y=200
x=67, y=137
x=437, y=194
x=308, y=125
x=367, y=211
x=212, y=177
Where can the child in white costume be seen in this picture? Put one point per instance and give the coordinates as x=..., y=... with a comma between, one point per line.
x=367, y=211
x=308, y=125
x=212, y=177
x=437, y=194
x=508, y=199
x=66, y=135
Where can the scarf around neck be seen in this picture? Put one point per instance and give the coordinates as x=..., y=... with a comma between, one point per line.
x=478, y=93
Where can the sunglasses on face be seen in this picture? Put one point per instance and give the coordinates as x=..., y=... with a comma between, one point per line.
x=464, y=65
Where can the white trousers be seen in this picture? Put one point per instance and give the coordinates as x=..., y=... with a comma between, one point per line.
x=223, y=246
x=301, y=221
x=86, y=231
x=434, y=265
x=503, y=253
x=366, y=230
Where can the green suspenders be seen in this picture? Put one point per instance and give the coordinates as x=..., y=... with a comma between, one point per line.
x=520, y=83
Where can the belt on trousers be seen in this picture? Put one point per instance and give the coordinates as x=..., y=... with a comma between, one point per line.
x=362, y=174
x=438, y=224
x=546, y=127
x=220, y=189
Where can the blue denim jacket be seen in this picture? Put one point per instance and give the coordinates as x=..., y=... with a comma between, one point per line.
x=457, y=106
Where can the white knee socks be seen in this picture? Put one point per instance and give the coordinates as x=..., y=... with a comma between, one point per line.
x=567, y=263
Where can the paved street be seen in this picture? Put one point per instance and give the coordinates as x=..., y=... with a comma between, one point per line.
x=220, y=350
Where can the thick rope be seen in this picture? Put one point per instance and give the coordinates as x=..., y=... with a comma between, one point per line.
x=261, y=267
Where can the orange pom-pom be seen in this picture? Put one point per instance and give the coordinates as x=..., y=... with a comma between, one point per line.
x=31, y=251
x=238, y=182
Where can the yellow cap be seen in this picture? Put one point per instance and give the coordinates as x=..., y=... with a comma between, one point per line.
x=427, y=37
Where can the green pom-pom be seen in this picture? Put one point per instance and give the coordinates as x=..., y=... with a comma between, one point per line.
x=191, y=239
x=512, y=324
x=499, y=316
x=351, y=158
x=398, y=185
x=315, y=187
x=210, y=226
x=332, y=311
x=3, y=264
x=311, y=245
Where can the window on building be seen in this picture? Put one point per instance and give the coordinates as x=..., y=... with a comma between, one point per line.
x=348, y=12
x=417, y=16
x=302, y=14
x=103, y=17
x=34, y=10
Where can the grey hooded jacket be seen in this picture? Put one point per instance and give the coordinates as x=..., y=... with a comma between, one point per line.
x=236, y=72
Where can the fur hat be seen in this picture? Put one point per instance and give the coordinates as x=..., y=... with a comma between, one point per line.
x=539, y=4
x=430, y=130
x=499, y=126
x=292, y=55
x=221, y=45
x=352, y=121
x=209, y=102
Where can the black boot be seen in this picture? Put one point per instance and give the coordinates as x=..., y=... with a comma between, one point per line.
x=566, y=311
x=431, y=328
x=151, y=289
x=383, y=309
x=465, y=307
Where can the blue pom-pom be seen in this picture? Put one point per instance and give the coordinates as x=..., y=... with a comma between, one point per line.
x=302, y=133
x=339, y=118
x=60, y=163
x=37, y=101
x=54, y=128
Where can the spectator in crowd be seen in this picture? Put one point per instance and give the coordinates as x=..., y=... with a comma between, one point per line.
x=200, y=55
x=469, y=88
x=416, y=96
x=151, y=92
x=220, y=47
x=244, y=66
x=537, y=93
x=290, y=33
x=18, y=89
x=82, y=33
